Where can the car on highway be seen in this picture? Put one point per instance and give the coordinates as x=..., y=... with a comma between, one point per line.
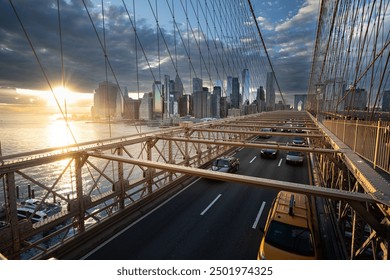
x=299, y=128
x=265, y=130
x=288, y=232
x=295, y=157
x=286, y=128
x=226, y=164
x=299, y=141
x=270, y=152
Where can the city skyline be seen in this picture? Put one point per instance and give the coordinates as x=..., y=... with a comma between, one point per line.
x=23, y=87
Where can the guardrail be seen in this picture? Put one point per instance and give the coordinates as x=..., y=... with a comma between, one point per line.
x=370, y=140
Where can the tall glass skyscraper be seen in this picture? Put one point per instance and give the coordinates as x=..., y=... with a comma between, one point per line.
x=245, y=86
x=235, y=97
x=157, y=100
x=270, y=92
x=229, y=86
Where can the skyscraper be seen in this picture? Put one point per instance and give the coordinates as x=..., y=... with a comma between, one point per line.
x=245, y=86
x=105, y=100
x=157, y=100
x=166, y=98
x=235, y=97
x=179, y=89
x=260, y=99
x=386, y=101
x=270, y=92
x=215, y=102
x=197, y=84
x=201, y=104
x=229, y=86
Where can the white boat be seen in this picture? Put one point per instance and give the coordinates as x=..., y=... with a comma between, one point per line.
x=42, y=209
x=26, y=212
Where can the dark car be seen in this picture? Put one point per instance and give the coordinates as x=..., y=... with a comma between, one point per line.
x=299, y=141
x=286, y=127
x=226, y=164
x=270, y=152
x=299, y=128
x=265, y=130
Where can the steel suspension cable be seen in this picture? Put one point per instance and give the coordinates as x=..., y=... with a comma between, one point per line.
x=265, y=49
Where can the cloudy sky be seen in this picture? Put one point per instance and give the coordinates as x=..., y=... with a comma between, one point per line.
x=288, y=28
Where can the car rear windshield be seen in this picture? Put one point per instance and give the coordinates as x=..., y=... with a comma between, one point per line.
x=222, y=162
x=293, y=239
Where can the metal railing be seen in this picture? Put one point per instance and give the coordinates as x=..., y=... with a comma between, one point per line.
x=370, y=140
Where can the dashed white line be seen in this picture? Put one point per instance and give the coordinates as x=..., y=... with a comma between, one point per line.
x=211, y=204
x=258, y=215
x=280, y=162
x=137, y=221
x=252, y=159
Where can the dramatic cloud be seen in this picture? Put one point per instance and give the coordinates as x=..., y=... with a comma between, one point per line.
x=83, y=41
x=290, y=43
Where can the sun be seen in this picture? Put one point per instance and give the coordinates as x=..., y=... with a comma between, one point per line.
x=61, y=95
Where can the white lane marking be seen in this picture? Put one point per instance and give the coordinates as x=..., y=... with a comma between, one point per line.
x=137, y=221
x=280, y=162
x=258, y=215
x=211, y=204
x=252, y=159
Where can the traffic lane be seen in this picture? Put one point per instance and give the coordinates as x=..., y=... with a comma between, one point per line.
x=179, y=231
x=184, y=206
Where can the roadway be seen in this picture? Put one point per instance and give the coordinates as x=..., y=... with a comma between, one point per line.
x=207, y=219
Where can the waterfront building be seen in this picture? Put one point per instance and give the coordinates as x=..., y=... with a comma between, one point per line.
x=146, y=107
x=105, y=100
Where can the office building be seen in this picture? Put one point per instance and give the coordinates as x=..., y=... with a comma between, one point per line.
x=157, y=91
x=197, y=85
x=245, y=86
x=105, y=100
x=235, y=96
x=270, y=92
x=215, y=102
x=386, y=101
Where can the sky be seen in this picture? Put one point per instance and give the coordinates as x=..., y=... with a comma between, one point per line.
x=288, y=28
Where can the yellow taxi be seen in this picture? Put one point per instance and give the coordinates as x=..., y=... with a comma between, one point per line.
x=288, y=233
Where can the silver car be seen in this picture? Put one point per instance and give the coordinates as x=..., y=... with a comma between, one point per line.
x=226, y=164
x=295, y=157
